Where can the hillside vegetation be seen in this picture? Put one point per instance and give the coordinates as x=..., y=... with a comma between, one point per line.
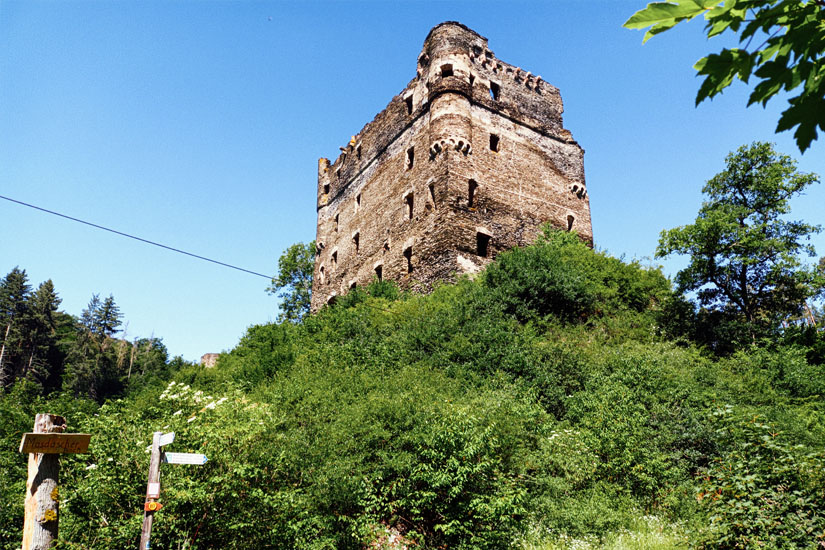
x=559, y=400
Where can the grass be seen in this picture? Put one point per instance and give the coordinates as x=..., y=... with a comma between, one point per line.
x=645, y=533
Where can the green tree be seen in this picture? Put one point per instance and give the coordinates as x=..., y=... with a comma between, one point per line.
x=294, y=281
x=744, y=254
x=108, y=316
x=14, y=314
x=43, y=303
x=782, y=45
x=88, y=317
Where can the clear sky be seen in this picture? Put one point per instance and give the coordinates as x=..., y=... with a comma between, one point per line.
x=199, y=125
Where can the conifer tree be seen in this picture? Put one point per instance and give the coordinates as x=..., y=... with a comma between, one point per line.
x=14, y=313
x=43, y=304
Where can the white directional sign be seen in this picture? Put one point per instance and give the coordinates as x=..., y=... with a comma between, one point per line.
x=166, y=439
x=184, y=458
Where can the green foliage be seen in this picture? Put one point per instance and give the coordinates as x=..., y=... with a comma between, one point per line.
x=561, y=276
x=482, y=415
x=763, y=492
x=744, y=254
x=293, y=284
x=788, y=38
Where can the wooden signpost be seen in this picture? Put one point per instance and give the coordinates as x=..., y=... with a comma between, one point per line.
x=151, y=505
x=44, y=448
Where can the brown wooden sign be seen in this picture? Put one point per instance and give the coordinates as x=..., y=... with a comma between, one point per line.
x=54, y=443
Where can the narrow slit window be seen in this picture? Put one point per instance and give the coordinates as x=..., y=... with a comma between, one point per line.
x=482, y=244
x=408, y=257
x=408, y=202
x=432, y=193
x=494, y=142
x=358, y=151
x=356, y=240
x=322, y=275
x=495, y=91
x=358, y=201
x=336, y=222
x=379, y=273
x=570, y=220
x=472, y=187
x=410, y=157
x=472, y=80
x=334, y=259
x=409, y=102
x=446, y=70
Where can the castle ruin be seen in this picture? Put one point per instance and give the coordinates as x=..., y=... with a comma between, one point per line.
x=470, y=159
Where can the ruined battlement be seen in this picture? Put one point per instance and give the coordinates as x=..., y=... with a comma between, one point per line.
x=471, y=158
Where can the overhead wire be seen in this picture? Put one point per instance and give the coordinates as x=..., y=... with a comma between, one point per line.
x=147, y=241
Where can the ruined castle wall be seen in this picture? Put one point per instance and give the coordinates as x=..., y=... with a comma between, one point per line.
x=469, y=160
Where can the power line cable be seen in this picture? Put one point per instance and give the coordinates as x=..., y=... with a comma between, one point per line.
x=122, y=234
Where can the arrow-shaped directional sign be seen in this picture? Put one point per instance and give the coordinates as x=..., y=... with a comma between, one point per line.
x=184, y=458
x=166, y=439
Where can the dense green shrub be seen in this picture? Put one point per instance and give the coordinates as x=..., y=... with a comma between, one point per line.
x=763, y=492
x=548, y=395
x=561, y=276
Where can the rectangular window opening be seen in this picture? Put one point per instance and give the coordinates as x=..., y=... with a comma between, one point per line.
x=356, y=240
x=410, y=157
x=472, y=186
x=379, y=273
x=446, y=70
x=408, y=201
x=495, y=90
x=472, y=80
x=482, y=244
x=326, y=189
x=408, y=256
x=494, y=140
x=409, y=102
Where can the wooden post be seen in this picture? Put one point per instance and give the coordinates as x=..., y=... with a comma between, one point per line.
x=42, y=499
x=152, y=491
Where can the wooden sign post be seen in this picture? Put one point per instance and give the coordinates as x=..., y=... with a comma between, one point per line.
x=151, y=505
x=44, y=447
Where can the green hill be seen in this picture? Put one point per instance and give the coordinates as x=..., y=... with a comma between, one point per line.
x=559, y=400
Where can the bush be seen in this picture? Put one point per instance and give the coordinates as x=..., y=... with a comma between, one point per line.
x=763, y=492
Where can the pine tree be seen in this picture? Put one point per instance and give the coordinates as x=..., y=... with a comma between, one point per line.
x=43, y=304
x=14, y=314
x=108, y=317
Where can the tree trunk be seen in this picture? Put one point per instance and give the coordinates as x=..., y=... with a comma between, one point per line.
x=2, y=354
x=42, y=499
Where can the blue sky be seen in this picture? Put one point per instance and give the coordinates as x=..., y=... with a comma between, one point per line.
x=199, y=125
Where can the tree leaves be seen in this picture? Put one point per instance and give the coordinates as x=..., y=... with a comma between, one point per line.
x=294, y=281
x=789, y=42
x=661, y=16
x=743, y=252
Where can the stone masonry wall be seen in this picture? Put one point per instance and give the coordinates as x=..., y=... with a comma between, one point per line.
x=470, y=159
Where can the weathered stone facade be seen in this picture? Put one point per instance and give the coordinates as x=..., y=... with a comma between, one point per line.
x=469, y=160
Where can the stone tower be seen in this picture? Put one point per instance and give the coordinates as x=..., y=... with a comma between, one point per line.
x=470, y=159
